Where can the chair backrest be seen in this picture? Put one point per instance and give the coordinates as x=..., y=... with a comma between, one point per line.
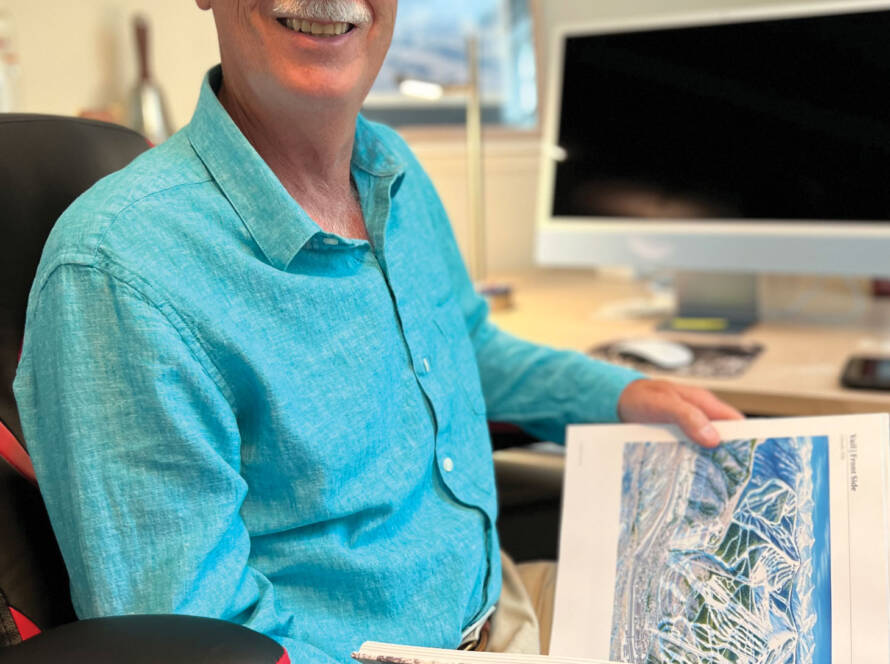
x=45, y=163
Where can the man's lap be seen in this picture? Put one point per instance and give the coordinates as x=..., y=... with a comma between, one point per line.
x=524, y=616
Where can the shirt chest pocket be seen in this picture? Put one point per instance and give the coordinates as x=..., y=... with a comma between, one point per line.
x=458, y=354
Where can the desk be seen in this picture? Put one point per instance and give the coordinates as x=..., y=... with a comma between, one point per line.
x=796, y=374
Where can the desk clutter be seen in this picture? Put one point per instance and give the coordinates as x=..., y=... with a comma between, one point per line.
x=708, y=360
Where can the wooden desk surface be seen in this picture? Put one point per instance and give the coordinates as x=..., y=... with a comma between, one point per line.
x=798, y=372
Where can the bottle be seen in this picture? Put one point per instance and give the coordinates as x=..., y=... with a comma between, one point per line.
x=148, y=107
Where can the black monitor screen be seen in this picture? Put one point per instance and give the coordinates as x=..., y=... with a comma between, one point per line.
x=781, y=119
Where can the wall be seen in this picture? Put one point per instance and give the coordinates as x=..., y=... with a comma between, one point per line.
x=511, y=180
x=78, y=54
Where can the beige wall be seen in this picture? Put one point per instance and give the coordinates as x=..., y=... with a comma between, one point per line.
x=511, y=177
x=78, y=54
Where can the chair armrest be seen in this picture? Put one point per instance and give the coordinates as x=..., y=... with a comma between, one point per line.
x=504, y=435
x=529, y=474
x=149, y=639
x=529, y=481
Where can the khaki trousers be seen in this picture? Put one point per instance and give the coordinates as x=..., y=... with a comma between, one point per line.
x=524, y=616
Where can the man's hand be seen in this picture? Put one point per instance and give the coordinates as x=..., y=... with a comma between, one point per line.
x=648, y=401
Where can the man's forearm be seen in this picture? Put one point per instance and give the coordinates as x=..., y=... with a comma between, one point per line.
x=543, y=390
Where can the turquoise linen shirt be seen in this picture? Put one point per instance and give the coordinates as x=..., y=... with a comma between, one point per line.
x=233, y=413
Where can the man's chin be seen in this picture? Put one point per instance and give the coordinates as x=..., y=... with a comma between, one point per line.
x=324, y=87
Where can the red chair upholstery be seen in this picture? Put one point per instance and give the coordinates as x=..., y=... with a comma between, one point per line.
x=45, y=163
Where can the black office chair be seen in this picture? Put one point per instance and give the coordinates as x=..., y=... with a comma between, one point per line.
x=45, y=163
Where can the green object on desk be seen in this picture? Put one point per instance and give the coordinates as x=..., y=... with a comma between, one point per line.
x=699, y=324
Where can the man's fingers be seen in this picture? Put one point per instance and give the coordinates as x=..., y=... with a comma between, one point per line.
x=694, y=423
x=710, y=405
x=691, y=408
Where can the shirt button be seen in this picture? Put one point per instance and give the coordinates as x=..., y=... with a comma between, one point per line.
x=426, y=365
x=448, y=464
x=331, y=241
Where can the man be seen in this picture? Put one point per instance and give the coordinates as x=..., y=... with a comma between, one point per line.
x=256, y=377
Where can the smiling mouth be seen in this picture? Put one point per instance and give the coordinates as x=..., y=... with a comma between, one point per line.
x=314, y=28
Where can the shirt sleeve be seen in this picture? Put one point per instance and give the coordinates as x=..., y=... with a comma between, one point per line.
x=540, y=389
x=137, y=453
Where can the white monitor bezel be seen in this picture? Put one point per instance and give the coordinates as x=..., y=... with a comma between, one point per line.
x=850, y=248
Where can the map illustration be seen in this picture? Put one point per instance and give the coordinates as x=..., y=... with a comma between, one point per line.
x=723, y=554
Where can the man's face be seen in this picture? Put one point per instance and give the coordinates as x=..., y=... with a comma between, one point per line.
x=316, y=50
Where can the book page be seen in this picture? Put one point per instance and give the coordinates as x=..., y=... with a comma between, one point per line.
x=772, y=547
x=372, y=652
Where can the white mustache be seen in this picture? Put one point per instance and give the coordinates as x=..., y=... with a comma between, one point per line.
x=332, y=11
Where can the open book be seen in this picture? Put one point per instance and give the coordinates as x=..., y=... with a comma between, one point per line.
x=771, y=548
x=372, y=652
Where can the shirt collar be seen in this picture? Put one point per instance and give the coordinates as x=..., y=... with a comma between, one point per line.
x=276, y=222
x=370, y=154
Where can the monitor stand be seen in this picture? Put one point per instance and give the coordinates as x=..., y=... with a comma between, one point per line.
x=716, y=302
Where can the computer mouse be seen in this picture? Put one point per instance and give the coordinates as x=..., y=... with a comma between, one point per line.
x=658, y=352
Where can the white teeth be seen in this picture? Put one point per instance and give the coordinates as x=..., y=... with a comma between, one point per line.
x=313, y=28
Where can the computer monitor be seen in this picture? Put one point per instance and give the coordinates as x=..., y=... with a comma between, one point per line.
x=735, y=141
